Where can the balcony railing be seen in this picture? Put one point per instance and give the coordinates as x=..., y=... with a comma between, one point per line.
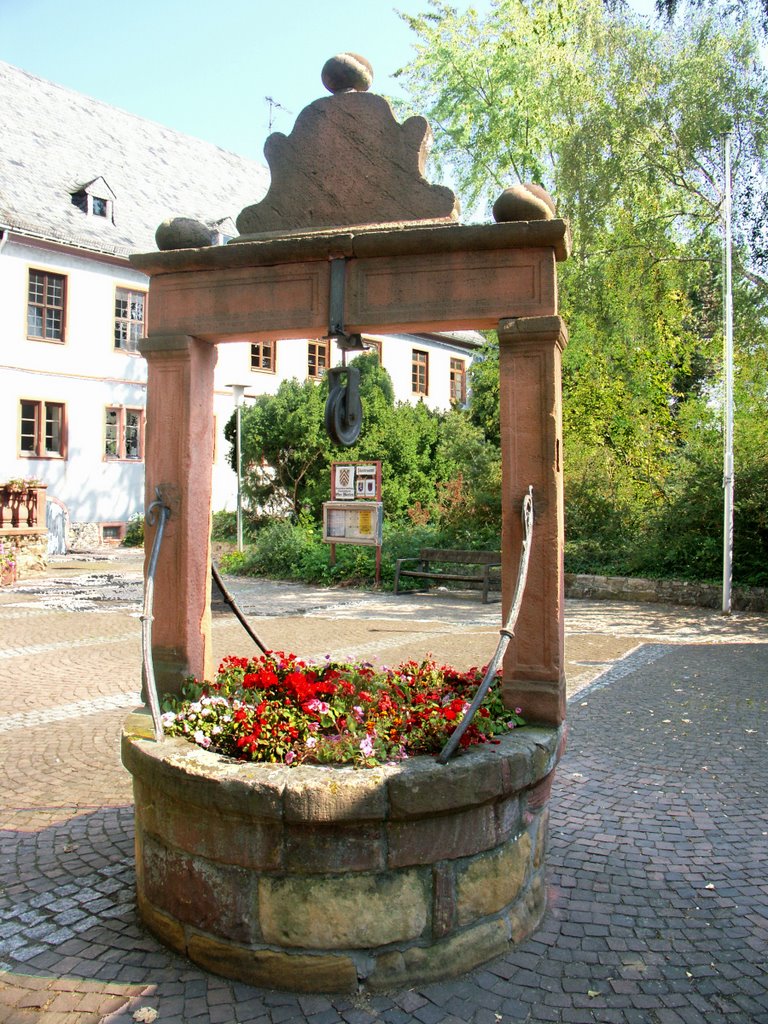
x=22, y=507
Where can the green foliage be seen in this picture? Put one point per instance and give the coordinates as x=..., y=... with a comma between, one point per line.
x=295, y=551
x=756, y=10
x=134, y=532
x=224, y=526
x=436, y=463
x=622, y=122
x=484, y=388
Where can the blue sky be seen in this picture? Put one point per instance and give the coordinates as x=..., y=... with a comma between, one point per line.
x=206, y=68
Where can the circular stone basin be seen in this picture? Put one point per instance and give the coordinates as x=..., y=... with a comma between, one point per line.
x=329, y=879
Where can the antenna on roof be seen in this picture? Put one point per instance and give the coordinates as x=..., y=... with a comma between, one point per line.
x=274, y=105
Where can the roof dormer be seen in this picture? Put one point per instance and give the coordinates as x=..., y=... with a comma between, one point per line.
x=96, y=199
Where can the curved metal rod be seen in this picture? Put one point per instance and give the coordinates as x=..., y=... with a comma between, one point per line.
x=228, y=599
x=146, y=616
x=507, y=631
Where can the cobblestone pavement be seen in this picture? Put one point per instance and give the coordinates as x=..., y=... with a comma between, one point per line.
x=658, y=901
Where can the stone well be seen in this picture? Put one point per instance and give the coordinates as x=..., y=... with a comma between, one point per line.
x=328, y=879
x=315, y=878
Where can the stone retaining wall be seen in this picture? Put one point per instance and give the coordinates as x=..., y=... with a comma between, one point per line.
x=627, y=588
x=334, y=879
x=30, y=548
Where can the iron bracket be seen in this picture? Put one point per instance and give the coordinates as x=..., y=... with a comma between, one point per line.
x=336, y=331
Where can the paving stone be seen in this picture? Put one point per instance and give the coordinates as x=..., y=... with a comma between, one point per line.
x=660, y=795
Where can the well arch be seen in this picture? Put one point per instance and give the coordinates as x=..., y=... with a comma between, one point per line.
x=408, y=265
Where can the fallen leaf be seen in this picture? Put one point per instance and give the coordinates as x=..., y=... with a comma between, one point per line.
x=592, y=992
x=146, y=1015
x=710, y=886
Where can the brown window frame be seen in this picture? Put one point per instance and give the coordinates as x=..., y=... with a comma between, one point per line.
x=458, y=372
x=132, y=346
x=47, y=307
x=40, y=433
x=314, y=349
x=263, y=352
x=419, y=372
x=121, y=434
x=373, y=345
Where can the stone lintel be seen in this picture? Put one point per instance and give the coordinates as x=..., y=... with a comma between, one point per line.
x=362, y=243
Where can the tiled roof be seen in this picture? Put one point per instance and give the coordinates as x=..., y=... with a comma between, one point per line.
x=55, y=141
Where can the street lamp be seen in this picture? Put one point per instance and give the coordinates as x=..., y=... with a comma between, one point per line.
x=238, y=391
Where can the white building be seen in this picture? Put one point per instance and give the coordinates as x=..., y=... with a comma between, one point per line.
x=83, y=185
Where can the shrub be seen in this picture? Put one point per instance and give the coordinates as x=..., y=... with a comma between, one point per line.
x=134, y=533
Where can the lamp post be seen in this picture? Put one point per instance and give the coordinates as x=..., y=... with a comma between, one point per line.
x=728, y=396
x=238, y=391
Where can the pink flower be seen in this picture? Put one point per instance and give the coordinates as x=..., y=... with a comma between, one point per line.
x=311, y=742
x=319, y=706
x=357, y=713
x=518, y=711
x=290, y=757
x=366, y=746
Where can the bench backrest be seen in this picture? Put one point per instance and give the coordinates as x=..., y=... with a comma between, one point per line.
x=465, y=557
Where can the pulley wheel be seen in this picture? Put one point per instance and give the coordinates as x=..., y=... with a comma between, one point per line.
x=343, y=414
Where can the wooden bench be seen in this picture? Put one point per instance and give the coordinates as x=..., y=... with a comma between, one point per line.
x=427, y=569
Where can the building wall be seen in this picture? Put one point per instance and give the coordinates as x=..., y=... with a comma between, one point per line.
x=87, y=374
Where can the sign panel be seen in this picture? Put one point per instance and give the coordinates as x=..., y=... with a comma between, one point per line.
x=365, y=488
x=357, y=523
x=356, y=481
x=345, y=483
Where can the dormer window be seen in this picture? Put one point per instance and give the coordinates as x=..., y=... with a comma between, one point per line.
x=95, y=199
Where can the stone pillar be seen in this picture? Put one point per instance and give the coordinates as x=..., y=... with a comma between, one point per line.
x=530, y=350
x=179, y=461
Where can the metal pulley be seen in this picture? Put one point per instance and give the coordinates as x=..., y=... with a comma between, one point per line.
x=343, y=408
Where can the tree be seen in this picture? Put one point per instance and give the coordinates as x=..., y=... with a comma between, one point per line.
x=287, y=453
x=742, y=9
x=284, y=447
x=623, y=124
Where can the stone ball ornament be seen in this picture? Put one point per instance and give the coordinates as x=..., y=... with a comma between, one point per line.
x=524, y=202
x=183, y=233
x=347, y=72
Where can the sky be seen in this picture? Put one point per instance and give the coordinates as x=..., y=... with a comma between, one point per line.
x=207, y=68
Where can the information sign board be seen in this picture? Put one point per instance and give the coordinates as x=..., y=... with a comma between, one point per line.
x=359, y=522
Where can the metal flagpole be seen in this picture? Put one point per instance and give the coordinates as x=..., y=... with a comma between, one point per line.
x=728, y=397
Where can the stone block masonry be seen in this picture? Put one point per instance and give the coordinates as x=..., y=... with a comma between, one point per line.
x=334, y=879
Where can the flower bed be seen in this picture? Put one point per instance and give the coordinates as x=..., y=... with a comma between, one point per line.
x=278, y=709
